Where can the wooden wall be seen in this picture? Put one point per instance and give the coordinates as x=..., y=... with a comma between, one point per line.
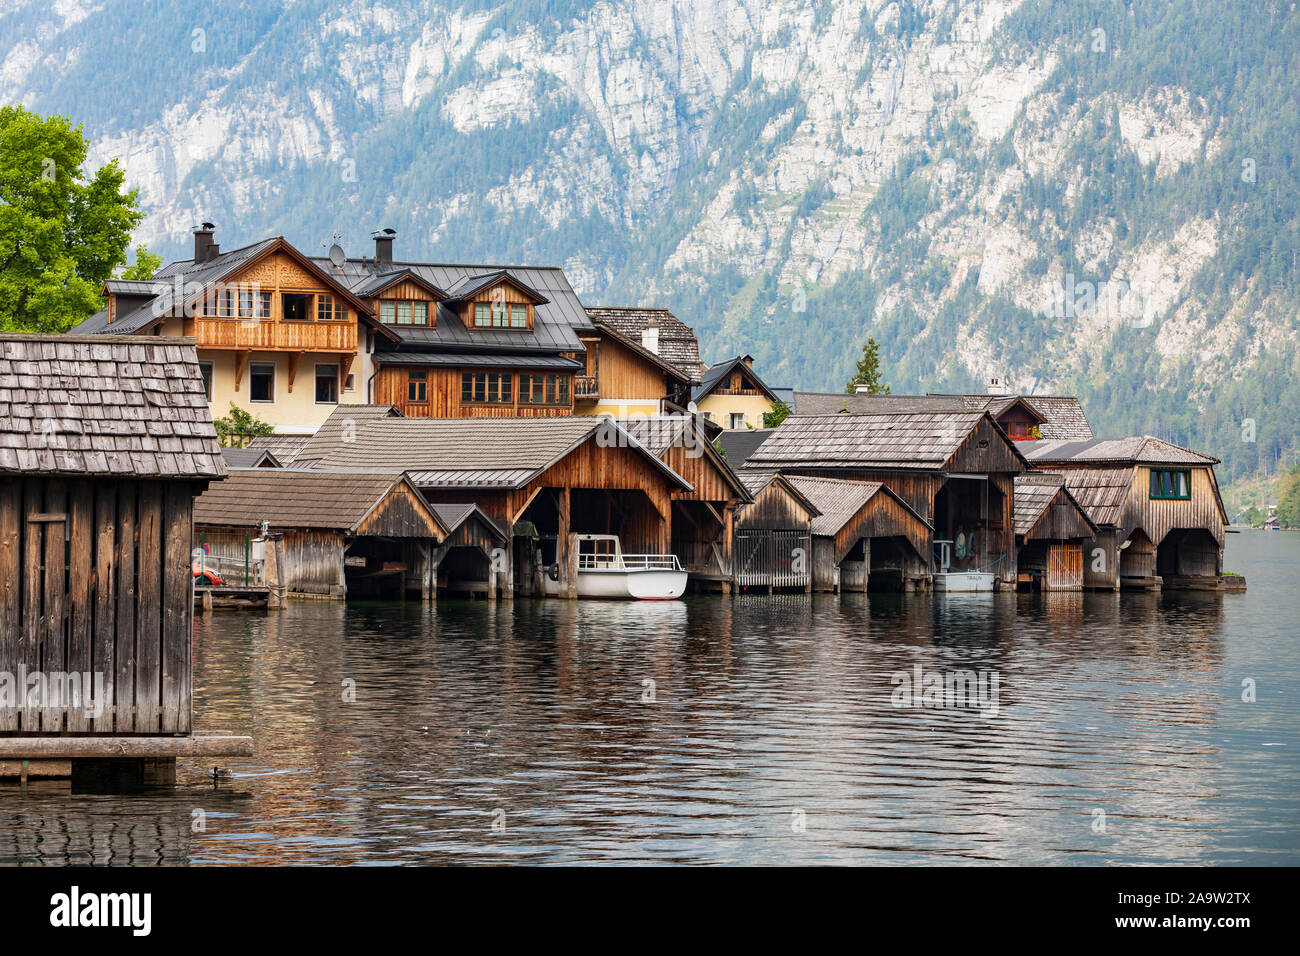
x=401, y=514
x=444, y=395
x=624, y=375
x=1158, y=517
x=95, y=577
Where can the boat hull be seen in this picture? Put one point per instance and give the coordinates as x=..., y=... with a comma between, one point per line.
x=650, y=584
x=963, y=582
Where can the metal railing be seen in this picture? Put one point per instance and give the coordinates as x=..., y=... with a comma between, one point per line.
x=628, y=562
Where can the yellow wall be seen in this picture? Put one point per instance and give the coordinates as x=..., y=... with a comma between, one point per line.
x=632, y=408
x=753, y=407
x=291, y=411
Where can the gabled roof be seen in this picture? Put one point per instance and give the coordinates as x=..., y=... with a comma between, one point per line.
x=1100, y=492
x=634, y=346
x=917, y=441
x=1137, y=450
x=285, y=448
x=1033, y=495
x=380, y=281
x=556, y=321
x=677, y=341
x=838, y=500
x=755, y=480
x=664, y=432
x=849, y=403
x=182, y=284
x=250, y=458
x=104, y=406
x=469, y=286
x=740, y=443
x=480, y=452
x=286, y=498
x=1061, y=416
x=716, y=373
x=452, y=516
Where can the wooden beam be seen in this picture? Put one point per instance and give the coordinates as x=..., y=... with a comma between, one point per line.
x=241, y=362
x=198, y=745
x=294, y=359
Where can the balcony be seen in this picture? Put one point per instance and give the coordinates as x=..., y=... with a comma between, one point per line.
x=586, y=388
x=211, y=332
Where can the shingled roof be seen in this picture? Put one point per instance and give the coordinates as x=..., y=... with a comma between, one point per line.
x=1033, y=494
x=920, y=440
x=335, y=501
x=740, y=443
x=1137, y=450
x=1062, y=417
x=1100, y=492
x=677, y=342
x=837, y=500
x=339, y=429
x=478, y=452
x=93, y=405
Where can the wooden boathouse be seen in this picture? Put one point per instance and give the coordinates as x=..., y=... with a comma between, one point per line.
x=1051, y=529
x=541, y=480
x=325, y=533
x=772, y=532
x=104, y=444
x=954, y=469
x=703, y=518
x=1156, y=506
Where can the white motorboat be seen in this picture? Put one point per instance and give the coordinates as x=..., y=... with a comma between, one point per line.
x=604, y=571
x=963, y=581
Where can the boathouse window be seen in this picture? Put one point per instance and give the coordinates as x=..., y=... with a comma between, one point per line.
x=417, y=387
x=205, y=369
x=261, y=382
x=327, y=384
x=544, y=389
x=1171, y=484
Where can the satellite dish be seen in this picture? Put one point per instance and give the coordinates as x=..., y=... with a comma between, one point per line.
x=337, y=256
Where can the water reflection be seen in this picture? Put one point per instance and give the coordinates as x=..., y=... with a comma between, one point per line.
x=708, y=730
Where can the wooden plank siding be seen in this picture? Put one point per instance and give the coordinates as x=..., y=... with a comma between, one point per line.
x=95, y=580
x=444, y=394
x=622, y=374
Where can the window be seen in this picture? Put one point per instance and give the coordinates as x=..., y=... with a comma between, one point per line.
x=417, y=387
x=329, y=309
x=350, y=383
x=295, y=307
x=245, y=303
x=403, y=312
x=500, y=315
x=327, y=384
x=205, y=369
x=487, y=388
x=227, y=299
x=519, y=316
x=1171, y=484
x=261, y=382
x=544, y=389
x=737, y=420
x=264, y=305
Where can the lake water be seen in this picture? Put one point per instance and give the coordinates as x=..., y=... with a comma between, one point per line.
x=730, y=730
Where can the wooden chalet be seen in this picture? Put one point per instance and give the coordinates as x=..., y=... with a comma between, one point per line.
x=732, y=395
x=954, y=469
x=1159, y=516
x=864, y=536
x=331, y=534
x=640, y=362
x=541, y=480
x=277, y=335
x=104, y=444
x=703, y=517
x=773, y=538
x=1051, y=530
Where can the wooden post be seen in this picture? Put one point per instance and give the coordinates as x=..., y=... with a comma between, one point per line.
x=124, y=656
x=563, y=544
x=81, y=510
x=11, y=514
x=508, y=590
x=102, y=643
x=148, y=685
x=572, y=570
x=178, y=607
x=56, y=586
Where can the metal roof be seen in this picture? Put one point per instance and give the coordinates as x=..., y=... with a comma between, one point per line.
x=740, y=443
x=100, y=405
x=478, y=360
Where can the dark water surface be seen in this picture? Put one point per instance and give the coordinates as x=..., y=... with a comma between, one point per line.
x=530, y=733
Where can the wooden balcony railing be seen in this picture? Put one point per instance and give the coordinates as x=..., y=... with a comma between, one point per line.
x=227, y=333
x=585, y=388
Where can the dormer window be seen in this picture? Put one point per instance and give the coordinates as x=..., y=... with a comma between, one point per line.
x=404, y=312
x=500, y=315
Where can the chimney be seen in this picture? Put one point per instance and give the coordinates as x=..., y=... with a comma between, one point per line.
x=650, y=335
x=384, y=247
x=202, y=239
x=998, y=386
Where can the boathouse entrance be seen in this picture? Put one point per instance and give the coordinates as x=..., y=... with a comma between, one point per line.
x=1189, y=553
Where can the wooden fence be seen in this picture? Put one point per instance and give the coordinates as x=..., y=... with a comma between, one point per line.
x=776, y=559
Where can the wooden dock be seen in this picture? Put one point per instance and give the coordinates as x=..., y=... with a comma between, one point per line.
x=208, y=597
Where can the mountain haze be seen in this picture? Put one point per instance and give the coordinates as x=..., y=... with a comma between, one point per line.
x=1097, y=197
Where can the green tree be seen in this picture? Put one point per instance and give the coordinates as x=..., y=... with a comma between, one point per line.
x=779, y=413
x=1288, y=499
x=238, y=428
x=145, y=265
x=868, y=371
x=61, y=234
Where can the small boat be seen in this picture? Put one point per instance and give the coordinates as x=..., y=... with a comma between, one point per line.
x=604, y=571
x=963, y=581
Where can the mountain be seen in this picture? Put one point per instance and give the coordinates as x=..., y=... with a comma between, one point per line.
x=1099, y=197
